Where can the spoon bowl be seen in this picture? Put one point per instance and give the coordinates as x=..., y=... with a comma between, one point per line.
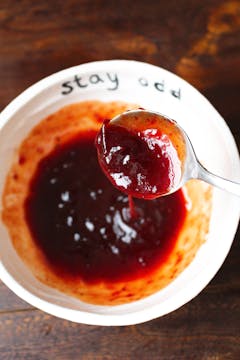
x=147, y=125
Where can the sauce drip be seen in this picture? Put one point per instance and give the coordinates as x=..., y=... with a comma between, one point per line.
x=83, y=225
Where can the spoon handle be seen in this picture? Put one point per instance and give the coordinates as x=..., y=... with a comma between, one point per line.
x=218, y=181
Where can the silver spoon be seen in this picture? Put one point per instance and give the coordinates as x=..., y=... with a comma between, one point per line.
x=192, y=169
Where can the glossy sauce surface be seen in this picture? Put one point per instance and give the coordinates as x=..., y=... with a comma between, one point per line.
x=83, y=224
x=142, y=162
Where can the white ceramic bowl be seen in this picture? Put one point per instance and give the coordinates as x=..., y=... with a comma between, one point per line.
x=154, y=88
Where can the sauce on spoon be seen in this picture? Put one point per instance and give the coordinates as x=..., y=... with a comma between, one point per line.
x=141, y=154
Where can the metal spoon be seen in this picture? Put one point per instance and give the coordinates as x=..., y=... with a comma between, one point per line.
x=191, y=167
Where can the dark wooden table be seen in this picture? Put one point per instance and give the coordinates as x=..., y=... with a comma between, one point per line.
x=200, y=41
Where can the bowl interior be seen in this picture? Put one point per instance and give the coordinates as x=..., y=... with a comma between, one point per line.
x=156, y=89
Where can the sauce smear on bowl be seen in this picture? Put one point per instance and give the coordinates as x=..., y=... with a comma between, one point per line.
x=75, y=231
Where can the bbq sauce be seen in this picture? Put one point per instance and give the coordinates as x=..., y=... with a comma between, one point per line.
x=84, y=226
x=142, y=162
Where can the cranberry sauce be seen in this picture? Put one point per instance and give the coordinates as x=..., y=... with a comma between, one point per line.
x=83, y=224
x=144, y=164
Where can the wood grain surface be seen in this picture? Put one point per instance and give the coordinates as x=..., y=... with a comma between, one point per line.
x=200, y=41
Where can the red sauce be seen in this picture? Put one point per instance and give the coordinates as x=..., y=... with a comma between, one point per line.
x=83, y=224
x=143, y=163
